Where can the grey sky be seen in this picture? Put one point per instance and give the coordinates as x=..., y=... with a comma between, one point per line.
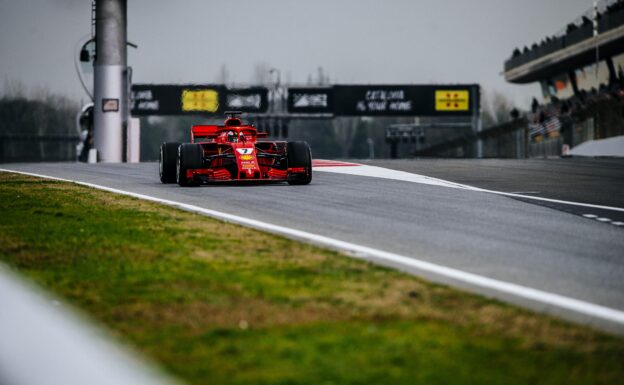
x=356, y=41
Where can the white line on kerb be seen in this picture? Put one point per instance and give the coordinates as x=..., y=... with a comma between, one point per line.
x=363, y=252
x=385, y=173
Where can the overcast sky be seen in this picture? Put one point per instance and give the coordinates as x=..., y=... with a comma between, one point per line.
x=355, y=41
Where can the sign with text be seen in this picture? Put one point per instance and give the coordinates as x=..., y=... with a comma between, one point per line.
x=175, y=99
x=253, y=99
x=310, y=100
x=404, y=100
x=339, y=100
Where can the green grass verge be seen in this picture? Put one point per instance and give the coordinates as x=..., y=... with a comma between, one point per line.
x=216, y=303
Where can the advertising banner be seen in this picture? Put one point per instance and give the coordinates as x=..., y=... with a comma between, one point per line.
x=170, y=99
x=339, y=100
x=247, y=99
x=310, y=100
x=405, y=100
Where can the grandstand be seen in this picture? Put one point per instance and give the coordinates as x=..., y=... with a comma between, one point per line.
x=581, y=73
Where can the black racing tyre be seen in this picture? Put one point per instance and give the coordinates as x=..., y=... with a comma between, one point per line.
x=190, y=156
x=299, y=155
x=167, y=162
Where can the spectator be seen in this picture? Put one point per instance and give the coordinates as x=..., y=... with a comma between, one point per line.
x=534, y=105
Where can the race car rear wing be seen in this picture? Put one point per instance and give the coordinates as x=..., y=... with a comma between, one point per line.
x=203, y=133
x=210, y=132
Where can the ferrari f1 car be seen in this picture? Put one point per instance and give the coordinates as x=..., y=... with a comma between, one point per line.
x=233, y=153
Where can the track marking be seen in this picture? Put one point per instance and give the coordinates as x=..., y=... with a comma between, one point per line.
x=603, y=220
x=331, y=163
x=375, y=255
x=385, y=173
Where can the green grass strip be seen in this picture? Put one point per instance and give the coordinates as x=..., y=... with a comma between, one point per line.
x=216, y=303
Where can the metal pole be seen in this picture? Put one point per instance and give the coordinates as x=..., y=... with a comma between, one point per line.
x=371, y=148
x=596, y=42
x=110, y=84
x=476, y=121
x=596, y=121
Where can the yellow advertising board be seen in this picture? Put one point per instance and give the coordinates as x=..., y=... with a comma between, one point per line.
x=200, y=100
x=452, y=100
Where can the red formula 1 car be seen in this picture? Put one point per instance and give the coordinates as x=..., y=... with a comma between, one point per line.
x=233, y=153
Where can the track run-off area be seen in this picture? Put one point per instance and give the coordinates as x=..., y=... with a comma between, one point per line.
x=535, y=249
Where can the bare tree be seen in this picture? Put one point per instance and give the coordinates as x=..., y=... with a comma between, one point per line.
x=321, y=78
x=223, y=76
x=39, y=113
x=13, y=89
x=261, y=75
x=495, y=108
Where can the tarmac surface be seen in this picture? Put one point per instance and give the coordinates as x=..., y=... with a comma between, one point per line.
x=486, y=234
x=588, y=180
x=597, y=181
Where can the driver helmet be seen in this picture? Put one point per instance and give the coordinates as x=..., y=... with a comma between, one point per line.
x=232, y=137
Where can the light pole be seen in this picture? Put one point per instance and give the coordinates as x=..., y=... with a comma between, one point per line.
x=278, y=79
x=276, y=104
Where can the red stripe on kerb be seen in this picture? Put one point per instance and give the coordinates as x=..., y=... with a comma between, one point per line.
x=331, y=163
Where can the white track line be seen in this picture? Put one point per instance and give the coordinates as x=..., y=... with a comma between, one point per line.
x=363, y=252
x=385, y=173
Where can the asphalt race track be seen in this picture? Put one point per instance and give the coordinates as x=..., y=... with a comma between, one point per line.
x=486, y=234
x=597, y=181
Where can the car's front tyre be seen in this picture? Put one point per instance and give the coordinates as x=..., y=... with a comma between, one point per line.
x=299, y=155
x=190, y=156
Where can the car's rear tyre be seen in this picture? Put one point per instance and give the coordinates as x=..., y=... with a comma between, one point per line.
x=167, y=162
x=190, y=156
x=299, y=155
